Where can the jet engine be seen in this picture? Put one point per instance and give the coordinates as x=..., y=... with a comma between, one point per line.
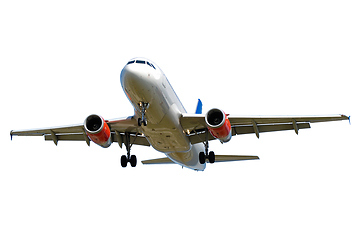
x=97, y=130
x=218, y=124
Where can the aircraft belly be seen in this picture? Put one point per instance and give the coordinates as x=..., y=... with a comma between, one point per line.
x=167, y=141
x=158, y=106
x=167, y=135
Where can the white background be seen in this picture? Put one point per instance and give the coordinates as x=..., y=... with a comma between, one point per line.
x=61, y=61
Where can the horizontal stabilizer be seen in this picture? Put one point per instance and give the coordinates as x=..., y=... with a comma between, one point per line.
x=158, y=161
x=231, y=158
x=218, y=158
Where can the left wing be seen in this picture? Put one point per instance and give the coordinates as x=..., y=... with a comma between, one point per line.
x=195, y=126
x=76, y=132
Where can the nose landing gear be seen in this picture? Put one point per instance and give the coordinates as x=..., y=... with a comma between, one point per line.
x=143, y=121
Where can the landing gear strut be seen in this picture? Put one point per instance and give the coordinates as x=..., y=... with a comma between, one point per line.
x=143, y=121
x=129, y=158
x=207, y=155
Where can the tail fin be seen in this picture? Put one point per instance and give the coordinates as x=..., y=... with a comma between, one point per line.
x=199, y=107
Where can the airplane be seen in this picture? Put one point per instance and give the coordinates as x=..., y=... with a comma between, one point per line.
x=161, y=121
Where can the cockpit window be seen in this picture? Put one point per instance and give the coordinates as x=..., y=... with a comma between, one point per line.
x=141, y=62
x=151, y=65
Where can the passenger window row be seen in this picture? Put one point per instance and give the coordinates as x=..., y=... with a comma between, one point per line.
x=141, y=62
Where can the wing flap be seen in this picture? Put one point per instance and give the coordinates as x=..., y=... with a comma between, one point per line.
x=137, y=140
x=66, y=137
x=268, y=128
x=200, y=135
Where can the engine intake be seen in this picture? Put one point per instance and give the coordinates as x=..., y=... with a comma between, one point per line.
x=218, y=124
x=98, y=130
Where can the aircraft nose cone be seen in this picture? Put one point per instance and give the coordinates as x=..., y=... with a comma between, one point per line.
x=135, y=82
x=128, y=74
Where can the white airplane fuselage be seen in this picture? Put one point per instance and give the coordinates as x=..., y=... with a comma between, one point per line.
x=144, y=82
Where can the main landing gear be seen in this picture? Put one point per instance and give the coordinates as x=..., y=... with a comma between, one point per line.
x=125, y=159
x=207, y=155
x=128, y=158
x=143, y=121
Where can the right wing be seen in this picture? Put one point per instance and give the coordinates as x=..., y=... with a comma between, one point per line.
x=76, y=132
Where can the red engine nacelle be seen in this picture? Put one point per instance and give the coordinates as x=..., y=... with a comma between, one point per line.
x=97, y=130
x=218, y=124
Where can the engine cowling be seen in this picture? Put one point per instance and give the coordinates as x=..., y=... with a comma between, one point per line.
x=98, y=130
x=218, y=124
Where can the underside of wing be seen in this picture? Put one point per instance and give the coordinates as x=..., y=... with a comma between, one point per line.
x=195, y=126
x=244, y=120
x=76, y=132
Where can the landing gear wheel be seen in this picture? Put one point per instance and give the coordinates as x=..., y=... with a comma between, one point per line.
x=133, y=161
x=202, y=158
x=123, y=161
x=211, y=157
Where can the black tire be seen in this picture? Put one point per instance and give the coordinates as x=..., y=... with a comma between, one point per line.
x=123, y=161
x=211, y=157
x=202, y=158
x=139, y=122
x=133, y=161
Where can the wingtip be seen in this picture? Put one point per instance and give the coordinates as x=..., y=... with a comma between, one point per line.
x=345, y=117
x=11, y=134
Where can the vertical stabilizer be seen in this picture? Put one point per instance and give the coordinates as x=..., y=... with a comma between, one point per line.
x=199, y=107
